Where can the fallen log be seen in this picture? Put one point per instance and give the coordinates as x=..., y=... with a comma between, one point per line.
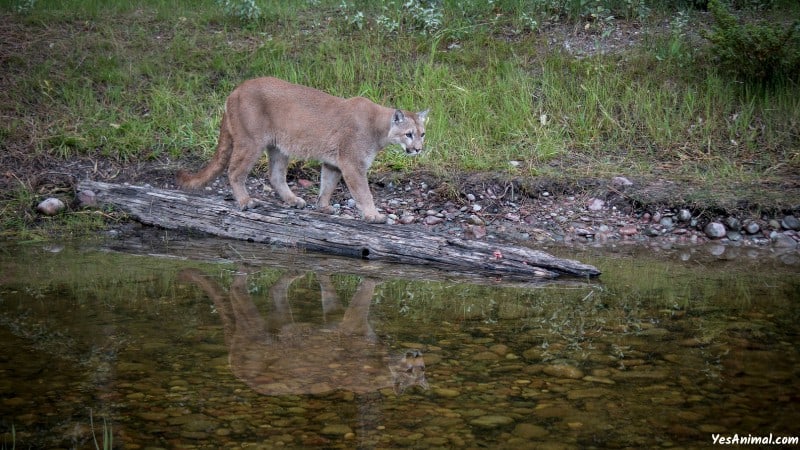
x=312, y=231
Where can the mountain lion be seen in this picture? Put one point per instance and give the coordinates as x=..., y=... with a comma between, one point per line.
x=302, y=122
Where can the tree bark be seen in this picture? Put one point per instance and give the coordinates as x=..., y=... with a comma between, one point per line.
x=312, y=231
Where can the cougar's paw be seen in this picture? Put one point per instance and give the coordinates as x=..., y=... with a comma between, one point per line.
x=247, y=203
x=298, y=203
x=326, y=209
x=375, y=218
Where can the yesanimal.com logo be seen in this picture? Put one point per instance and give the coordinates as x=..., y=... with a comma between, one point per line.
x=736, y=439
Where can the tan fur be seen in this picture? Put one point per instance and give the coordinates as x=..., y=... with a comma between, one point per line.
x=290, y=120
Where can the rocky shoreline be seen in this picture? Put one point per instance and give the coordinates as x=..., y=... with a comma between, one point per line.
x=592, y=212
x=492, y=210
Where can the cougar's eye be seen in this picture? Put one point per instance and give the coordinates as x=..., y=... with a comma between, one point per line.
x=410, y=135
x=422, y=135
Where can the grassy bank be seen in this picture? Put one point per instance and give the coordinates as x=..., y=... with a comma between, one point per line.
x=634, y=94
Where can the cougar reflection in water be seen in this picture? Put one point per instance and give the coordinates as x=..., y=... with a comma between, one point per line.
x=275, y=355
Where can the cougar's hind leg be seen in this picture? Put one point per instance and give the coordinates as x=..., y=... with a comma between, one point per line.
x=244, y=157
x=328, y=180
x=278, y=164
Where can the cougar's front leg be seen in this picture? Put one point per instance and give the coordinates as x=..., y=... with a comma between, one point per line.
x=278, y=164
x=356, y=181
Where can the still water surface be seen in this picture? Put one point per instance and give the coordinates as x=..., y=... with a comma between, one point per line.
x=248, y=349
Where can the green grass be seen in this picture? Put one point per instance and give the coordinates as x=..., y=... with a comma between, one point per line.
x=147, y=80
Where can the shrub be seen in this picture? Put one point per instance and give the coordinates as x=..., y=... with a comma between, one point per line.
x=754, y=52
x=245, y=10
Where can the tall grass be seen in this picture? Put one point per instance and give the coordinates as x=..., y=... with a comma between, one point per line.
x=148, y=79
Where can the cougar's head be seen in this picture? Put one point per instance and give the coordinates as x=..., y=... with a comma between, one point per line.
x=409, y=371
x=408, y=130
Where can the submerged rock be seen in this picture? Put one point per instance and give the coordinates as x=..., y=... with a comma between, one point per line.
x=530, y=431
x=336, y=430
x=563, y=371
x=491, y=421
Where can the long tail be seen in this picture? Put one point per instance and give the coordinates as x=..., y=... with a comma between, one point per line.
x=219, y=161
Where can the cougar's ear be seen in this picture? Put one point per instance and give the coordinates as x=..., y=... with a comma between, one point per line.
x=423, y=116
x=398, y=117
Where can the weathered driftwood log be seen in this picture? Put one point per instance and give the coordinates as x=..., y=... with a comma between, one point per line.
x=278, y=225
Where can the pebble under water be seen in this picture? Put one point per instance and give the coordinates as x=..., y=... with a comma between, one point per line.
x=167, y=352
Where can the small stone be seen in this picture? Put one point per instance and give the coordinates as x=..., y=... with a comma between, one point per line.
x=475, y=220
x=491, y=421
x=485, y=356
x=651, y=232
x=752, y=227
x=476, y=207
x=628, y=230
x=733, y=223
x=774, y=224
x=474, y=231
x=50, y=206
x=791, y=223
x=782, y=240
x=666, y=222
x=596, y=204
x=621, y=181
x=500, y=349
x=533, y=354
x=734, y=236
x=594, y=379
x=715, y=230
x=530, y=431
x=684, y=215
x=470, y=198
x=406, y=219
x=432, y=220
x=447, y=393
x=563, y=371
x=582, y=394
x=87, y=198
x=336, y=430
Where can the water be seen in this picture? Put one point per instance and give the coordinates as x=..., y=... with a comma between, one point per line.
x=213, y=344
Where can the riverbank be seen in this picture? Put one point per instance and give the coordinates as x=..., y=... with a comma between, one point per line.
x=533, y=211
